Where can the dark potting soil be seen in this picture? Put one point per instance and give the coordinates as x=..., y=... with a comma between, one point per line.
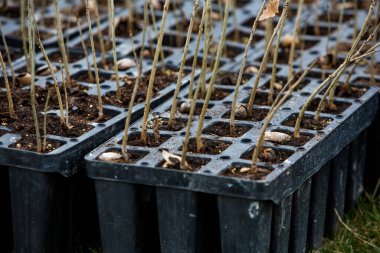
x=334, y=17
x=283, y=56
x=217, y=94
x=261, y=98
x=71, y=57
x=210, y=147
x=10, y=11
x=27, y=142
x=269, y=155
x=183, y=25
x=14, y=54
x=366, y=81
x=351, y=92
x=340, y=107
x=2, y=132
x=163, y=78
x=282, y=81
x=258, y=174
x=318, y=30
x=178, y=125
x=295, y=142
x=133, y=157
x=148, y=53
x=307, y=122
x=232, y=52
x=257, y=115
x=242, y=37
x=230, y=78
x=49, y=22
x=222, y=129
x=83, y=111
x=134, y=139
x=194, y=164
x=43, y=35
x=85, y=78
x=123, y=28
x=87, y=42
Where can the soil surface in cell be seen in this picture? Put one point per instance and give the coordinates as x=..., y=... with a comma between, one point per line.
x=230, y=78
x=295, y=142
x=178, y=125
x=339, y=107
x=222, y=129
x=351, y=92
x=133, y=157
x=257, y=115
x=308, y=122
x=270, y=156
x=83, y=109
x=163, y=79
x=194, y=164
x=217, y=94
x=210, y=147
x=153, y=140
x=247, y=173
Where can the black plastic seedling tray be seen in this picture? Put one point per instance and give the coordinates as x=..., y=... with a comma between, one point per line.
x=290, y=210
x=246, y=209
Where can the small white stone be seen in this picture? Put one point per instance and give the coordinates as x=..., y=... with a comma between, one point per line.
x=126, y=63
x=24, y=78
x=277, y=137
x=109, y=156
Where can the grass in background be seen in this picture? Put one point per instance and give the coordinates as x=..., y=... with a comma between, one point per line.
x=359, y=231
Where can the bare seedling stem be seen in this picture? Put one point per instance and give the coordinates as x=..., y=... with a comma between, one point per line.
x=296, y=35
x=9, y=91
x=317, y=30
x=56, y=86
x=116, y=68
x=5, y=44
x=213, y=77
x=61, y=43
x=241, y=71
x=66, y=98
x=100, y=102
x=195, y=59
x=275, y=58
x=180, y=73
x=90, y=76
x=45, y=114
x=340, y=24
x=162, y=55
x=278, y=103
x=137, y=83
x=153, y=74
x=23, y=34
x=262, y=67
x=31, y=34
x=355, y=44
x=100, y=34
x=130, y=16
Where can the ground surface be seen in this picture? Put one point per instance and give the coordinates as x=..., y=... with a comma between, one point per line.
x=360, y=232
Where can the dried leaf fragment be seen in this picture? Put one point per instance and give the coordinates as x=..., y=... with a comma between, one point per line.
x=271, y=10
x=277, y=137
x=109, y=156
x=172, y=160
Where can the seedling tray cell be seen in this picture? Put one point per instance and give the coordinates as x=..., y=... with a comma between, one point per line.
x=288, y=189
